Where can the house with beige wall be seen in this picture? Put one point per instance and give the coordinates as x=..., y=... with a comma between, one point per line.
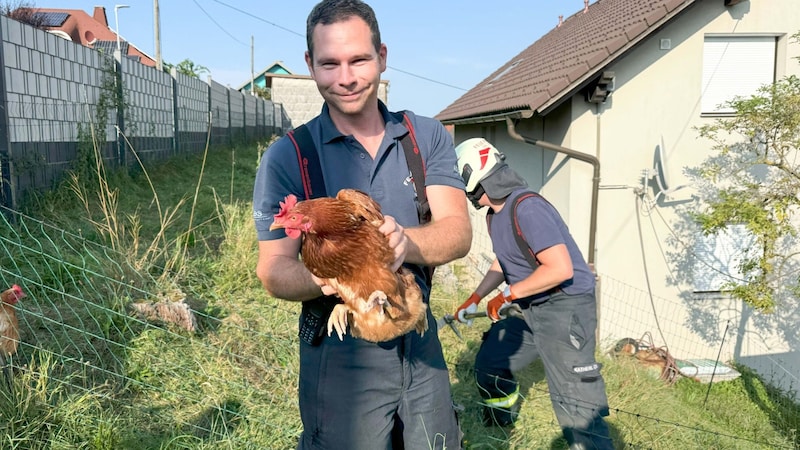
x=600, y=115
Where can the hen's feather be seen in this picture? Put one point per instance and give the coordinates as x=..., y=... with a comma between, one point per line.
x=343, y=246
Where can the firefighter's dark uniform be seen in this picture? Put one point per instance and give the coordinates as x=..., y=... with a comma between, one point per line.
x=356, y=394
x=558, y=327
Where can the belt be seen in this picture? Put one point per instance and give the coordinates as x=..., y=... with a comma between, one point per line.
x=538, y=299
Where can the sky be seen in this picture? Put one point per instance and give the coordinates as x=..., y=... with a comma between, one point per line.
x=437, y=49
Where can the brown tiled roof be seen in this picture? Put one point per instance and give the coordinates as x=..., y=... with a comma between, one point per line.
x=566, y=58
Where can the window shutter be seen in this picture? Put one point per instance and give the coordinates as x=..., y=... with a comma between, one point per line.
x=735, y=66
x=718, y=257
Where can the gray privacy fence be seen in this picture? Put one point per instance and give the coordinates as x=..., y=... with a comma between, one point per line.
x=52, y=91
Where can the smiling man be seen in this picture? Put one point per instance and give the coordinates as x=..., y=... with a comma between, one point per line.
x=356, y=394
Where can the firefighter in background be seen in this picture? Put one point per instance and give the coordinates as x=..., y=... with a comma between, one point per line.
x=546, y=275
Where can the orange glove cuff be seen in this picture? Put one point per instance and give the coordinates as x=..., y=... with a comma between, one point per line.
x=508, y=294
x=493, y=307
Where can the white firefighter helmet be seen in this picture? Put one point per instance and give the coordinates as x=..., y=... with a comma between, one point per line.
x=477, y=158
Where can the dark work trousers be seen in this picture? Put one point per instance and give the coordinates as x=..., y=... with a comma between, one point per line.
x=561, y=331
x=356, y=394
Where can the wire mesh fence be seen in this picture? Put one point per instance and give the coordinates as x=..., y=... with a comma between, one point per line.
x=147, y=355
x=157, y=364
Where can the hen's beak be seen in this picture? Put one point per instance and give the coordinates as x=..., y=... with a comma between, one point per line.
x=275, y=226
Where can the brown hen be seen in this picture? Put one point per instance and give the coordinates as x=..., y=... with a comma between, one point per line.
x=9, y=327
x=343, y=246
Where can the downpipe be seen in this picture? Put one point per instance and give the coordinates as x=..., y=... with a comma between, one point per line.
x=579, y=156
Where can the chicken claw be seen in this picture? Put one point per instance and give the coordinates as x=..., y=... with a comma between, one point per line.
x=338, y=320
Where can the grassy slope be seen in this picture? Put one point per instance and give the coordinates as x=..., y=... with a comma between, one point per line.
x=234, y=384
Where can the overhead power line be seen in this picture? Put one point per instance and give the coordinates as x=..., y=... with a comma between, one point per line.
x=217, y=23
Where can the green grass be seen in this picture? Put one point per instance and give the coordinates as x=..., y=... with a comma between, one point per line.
x=232, y=384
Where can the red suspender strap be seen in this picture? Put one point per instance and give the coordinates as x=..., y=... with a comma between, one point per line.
x=417, y=167
x=308, y=159
x=524, y=247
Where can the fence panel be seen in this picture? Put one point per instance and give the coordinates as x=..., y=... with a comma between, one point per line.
x=53, y=89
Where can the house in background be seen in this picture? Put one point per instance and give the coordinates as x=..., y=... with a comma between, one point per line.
x=90, y=31
x=600, y=116
x=261, y=81
x=297, y=93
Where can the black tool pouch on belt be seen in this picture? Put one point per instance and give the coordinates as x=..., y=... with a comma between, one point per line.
x=314, y=318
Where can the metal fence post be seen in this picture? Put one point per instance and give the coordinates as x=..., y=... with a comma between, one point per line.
x=120, y=104
x=7, y=194
x=176, y=144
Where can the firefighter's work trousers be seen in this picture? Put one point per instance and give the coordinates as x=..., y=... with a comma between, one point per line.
x=561, y=331
x=358, y=395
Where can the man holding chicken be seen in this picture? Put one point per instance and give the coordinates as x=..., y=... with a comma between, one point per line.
x=356, y=394
x=546, y=275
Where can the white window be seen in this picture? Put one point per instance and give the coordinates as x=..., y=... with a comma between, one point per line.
x=735, y=66
x=718, y=258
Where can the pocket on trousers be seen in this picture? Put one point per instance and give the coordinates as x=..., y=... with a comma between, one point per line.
x=577, y=333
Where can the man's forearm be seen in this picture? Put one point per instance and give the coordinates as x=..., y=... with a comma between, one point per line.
x=288, y=279
x=439, y=242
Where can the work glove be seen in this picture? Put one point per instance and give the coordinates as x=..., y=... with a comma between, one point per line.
x=469, y=306
x=500, y=301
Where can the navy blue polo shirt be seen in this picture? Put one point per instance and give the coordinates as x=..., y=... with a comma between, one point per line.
x=542, y=227
x=346, y=164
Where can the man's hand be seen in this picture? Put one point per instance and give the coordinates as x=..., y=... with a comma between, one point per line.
x=398, y=240
x=495, y=304
x=469, y=306
x=327, y=289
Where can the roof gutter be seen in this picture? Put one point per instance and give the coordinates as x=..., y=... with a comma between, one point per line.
x=572, y=154
x=521, y=114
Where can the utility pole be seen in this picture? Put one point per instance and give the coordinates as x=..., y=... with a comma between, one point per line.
x=252, y=69
x=157, y=27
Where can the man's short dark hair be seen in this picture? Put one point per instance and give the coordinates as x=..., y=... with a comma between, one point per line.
x=331, y=11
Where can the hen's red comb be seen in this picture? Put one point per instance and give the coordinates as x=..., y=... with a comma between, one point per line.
x=286, y=205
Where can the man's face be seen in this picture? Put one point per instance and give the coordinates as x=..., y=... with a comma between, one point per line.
x=346, y=67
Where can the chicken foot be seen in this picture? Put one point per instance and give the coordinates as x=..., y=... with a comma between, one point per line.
x=376, y=304
x=338, y=320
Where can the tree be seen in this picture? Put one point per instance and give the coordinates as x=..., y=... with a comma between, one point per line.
x=187, y=67
x=753, y=179
x=22, y=11
x=263, y=92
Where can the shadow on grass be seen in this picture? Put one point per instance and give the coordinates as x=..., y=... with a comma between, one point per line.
x=219, y=422
x=782, y=411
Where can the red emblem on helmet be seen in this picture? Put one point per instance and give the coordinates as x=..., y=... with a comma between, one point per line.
x=484, y=154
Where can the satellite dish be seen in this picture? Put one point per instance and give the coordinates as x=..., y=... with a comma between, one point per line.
x=661, y=174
